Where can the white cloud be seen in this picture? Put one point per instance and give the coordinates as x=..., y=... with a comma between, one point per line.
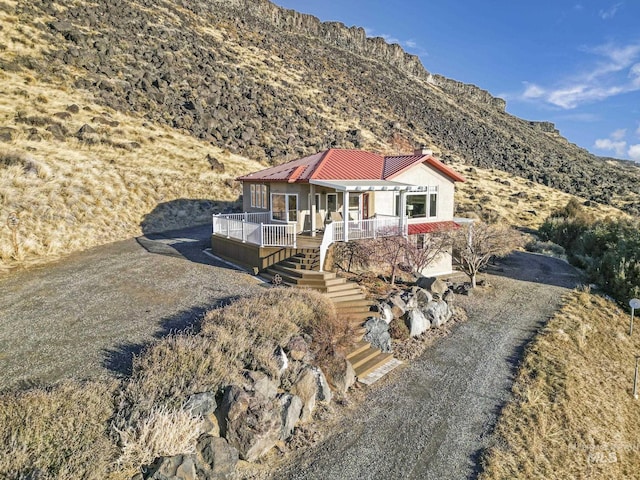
x=615, y=70
x=634, y=152
x=619, y=134
x=411, y=44
x=610, y=12
x=533, y=91
x=638, y=131
x=610, y=145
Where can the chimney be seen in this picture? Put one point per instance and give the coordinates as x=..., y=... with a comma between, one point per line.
x=423, y=151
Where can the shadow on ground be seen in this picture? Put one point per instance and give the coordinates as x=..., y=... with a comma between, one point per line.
x=162, y=238
x=544, y=270
x=119, y=360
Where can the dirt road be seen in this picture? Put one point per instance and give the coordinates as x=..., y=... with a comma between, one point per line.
x=85, y=315
x=432, y=419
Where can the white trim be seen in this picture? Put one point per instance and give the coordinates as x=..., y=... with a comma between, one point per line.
x=367, y=185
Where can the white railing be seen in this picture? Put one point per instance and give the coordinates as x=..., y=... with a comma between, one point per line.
x=327, y=240
x=274, y=235
x=372, y=228
x=381, y=226
x=249, y=228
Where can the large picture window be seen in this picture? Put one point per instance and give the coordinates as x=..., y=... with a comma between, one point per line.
x=284, y=207
x=421, y=205
x=259, y=196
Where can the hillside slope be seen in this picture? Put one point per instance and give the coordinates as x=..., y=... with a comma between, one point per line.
x=274, y=84
x=115, y=117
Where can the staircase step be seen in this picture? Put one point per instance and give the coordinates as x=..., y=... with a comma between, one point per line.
x=372, y=364
x=363, y=357
x=346, y=291
x=351, y=304
x=359, y=347
x=307, y=274
x=379, y=372
x=340, y=297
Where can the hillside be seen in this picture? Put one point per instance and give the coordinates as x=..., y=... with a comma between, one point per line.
x=111, y=109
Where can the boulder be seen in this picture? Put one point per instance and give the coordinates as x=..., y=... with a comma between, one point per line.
x=204, y=404
x=306, y=387
x=422, y=296
x=410, y=301
x=216, y=165
x=437, y=312
x=298, y=348
x=378, y=334
x=201, y=403
x=291, y=410
x=417, y=322
x=215, y=458
x=397, y=304
x=385, y=311
x=259, y=383
x=251, y=422
x=7, y=134
x=281, y=359
x=178, y=467
x=433, y=284
x=343, y=376
x=324, y=392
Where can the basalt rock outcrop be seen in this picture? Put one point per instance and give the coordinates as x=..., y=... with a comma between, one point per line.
x=274, y=84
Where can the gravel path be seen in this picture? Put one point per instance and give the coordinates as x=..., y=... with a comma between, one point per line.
x=432, y=419
x=86, y=315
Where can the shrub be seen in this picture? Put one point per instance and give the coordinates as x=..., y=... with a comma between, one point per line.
x=163, y=432
x=58, y=432
x=398, y=329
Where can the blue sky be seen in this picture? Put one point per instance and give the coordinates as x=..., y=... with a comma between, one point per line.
x=574, y=63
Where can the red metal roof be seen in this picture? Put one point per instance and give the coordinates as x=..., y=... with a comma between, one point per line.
x=431, y=227
x=394, y=166
x=342, y=164
x=349, y=165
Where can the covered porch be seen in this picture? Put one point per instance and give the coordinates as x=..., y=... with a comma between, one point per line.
x=350, y=213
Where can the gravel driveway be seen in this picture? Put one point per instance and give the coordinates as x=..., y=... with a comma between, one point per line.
x=86, y=315
x=432, y=419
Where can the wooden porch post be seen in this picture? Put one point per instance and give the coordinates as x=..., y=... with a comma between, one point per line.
x=313, y=210
x=403, y=211
x=345, y=214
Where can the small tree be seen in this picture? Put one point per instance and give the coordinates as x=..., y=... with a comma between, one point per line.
x=389, y=249
x=420, y=252
x=353, y=254
x=476, y=243
x=393, y=249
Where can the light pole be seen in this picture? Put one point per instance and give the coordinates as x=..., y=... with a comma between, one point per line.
x=633, y=303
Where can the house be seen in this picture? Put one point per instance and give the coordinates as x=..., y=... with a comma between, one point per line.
x=334, y=196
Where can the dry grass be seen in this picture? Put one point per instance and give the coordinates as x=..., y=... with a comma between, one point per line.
x=495, y=196
x=58, y=432
x=573, y=415
x=164, y=432
x=108, y=430
x=71, y=194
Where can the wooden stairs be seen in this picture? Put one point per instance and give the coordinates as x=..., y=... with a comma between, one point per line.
x=351, y=304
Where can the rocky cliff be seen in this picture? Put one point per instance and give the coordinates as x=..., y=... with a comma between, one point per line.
x=274, y=84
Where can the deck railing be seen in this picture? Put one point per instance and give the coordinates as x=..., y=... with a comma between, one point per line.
x=382, y=226
x=250, y=228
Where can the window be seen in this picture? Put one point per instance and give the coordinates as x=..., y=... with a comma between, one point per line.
x=433, y=203
x=332, y=202
x=422, y=205
x=416, y=206
x=259, y=196
x=354, y=207
x=284, y=207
